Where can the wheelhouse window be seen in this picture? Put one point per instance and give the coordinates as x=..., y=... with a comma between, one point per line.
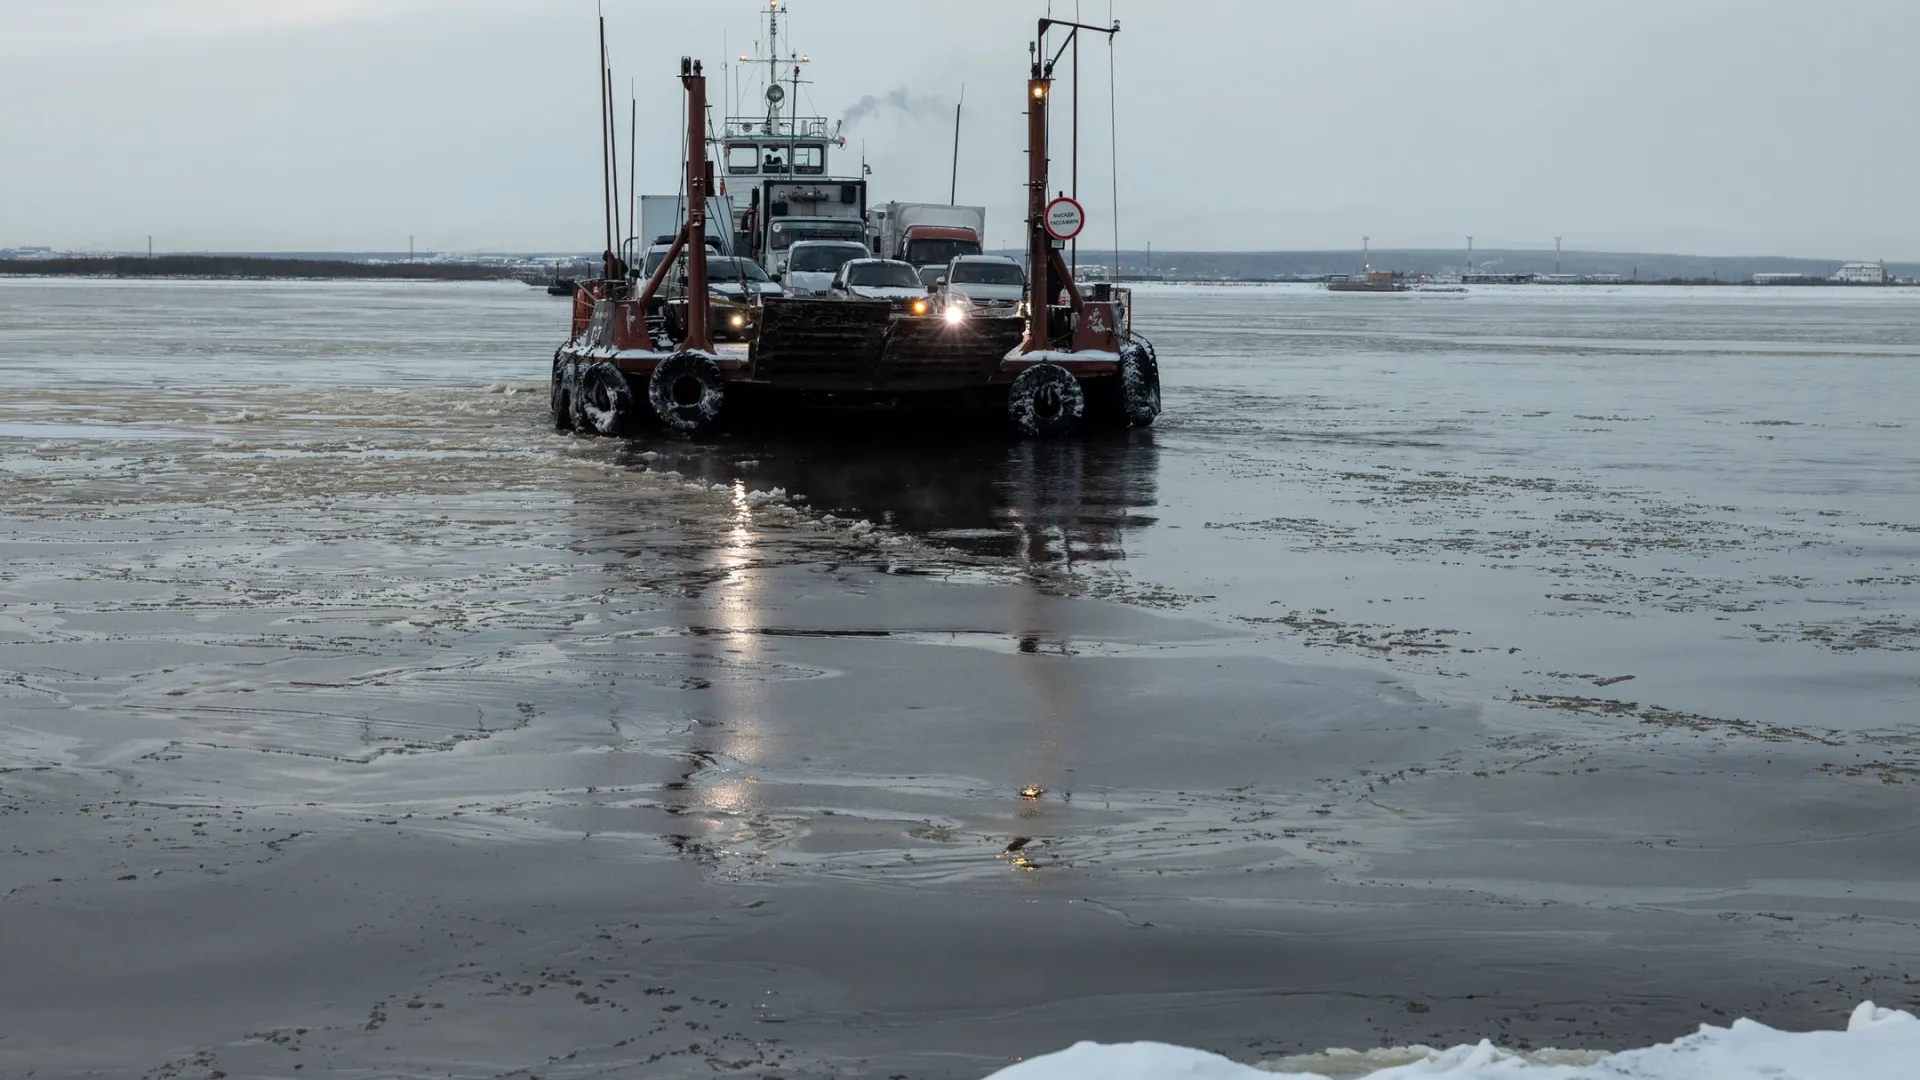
x=809, y=158
x=743, y=158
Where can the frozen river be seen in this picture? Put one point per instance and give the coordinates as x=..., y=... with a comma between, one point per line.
x=1536, y=663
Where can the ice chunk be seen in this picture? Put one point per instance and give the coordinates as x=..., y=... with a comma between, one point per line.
x=861, y=527
x=1878, y=1044
x=1130, y=1061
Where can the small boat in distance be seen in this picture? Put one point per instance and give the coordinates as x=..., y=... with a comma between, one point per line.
x=1370, y=281
x=560, y=286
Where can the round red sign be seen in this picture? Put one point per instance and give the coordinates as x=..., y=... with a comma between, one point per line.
x=1065, y=218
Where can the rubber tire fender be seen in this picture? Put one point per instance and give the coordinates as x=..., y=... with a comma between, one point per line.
x=605, y=399
x=559, y=393
x=577, y=400
x=1139, y=382
x=1045, y=400
x=687, y=392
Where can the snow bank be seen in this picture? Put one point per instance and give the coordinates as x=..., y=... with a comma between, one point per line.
x=1878, y=1044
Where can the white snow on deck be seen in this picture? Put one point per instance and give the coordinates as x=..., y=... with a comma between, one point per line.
x=1053, y=356
x=1878, y=1044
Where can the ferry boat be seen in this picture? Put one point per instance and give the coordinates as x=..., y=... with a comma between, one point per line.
x=1065, y=361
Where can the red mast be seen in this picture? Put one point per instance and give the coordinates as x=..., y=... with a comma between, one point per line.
x=698, y=337
x=1043, y=261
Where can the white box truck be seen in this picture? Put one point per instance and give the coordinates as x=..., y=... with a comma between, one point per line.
x=662, y=215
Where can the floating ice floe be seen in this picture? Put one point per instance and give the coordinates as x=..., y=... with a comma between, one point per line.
x=1878, y=1044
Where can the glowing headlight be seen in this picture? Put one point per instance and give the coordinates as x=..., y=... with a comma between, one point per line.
x=955, y=313
x=738, y=320
x=919, y=307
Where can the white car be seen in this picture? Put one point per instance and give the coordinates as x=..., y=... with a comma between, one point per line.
x=985, y=282
x=812, y=264
x=881, y=279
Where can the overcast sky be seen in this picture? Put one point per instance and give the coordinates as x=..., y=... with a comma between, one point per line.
x=1699, y=126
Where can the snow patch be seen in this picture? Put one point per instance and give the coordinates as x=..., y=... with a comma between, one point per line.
x=1878, y=1044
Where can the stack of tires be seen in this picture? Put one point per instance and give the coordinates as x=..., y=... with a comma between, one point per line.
x=685, y=394
x=1047, y=400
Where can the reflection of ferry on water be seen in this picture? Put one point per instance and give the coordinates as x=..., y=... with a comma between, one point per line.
x=1041, y=502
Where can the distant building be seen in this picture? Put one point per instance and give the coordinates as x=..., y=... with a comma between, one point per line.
x=1784, y=278
x=1862, y=273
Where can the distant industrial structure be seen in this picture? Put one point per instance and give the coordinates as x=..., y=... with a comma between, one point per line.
x=1853, y=273
x=1862, y=273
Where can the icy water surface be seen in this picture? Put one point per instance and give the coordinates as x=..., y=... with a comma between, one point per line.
x=1533, y=663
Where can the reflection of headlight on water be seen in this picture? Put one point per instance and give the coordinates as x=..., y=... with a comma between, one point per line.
x=955, y=313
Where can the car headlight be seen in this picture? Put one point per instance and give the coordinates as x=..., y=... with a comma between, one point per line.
x=738, y=320
x=919, y=307
x=955, y=313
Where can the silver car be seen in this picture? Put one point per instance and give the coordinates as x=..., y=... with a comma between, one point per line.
x=991, y=282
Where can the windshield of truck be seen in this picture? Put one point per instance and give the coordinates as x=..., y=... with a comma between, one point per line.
x=734, y=270
x=987, y=273
x=824, y=258
x=934, y=250
x=880, y=274
x=786, y=235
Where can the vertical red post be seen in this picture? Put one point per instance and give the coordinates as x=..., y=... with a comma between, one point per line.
x=1038, y=299
x=698, y=337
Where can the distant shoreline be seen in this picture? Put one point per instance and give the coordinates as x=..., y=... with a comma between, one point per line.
x=246, y=267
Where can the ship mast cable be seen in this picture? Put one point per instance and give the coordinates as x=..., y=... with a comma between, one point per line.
x=633, y=171
x=606, y=193
x=1073, y=246
x=613, y=139
x=1113, y=148
x=739, y=272
x=953, y=188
